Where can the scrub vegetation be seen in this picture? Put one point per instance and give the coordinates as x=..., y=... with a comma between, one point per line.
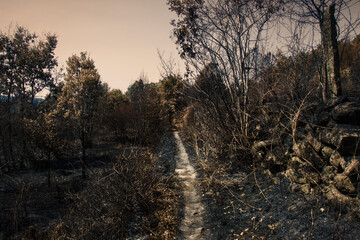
x=249, y=142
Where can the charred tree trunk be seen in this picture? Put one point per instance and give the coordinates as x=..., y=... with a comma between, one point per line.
x=83, y=153
x=7, y=134
x=331, y=68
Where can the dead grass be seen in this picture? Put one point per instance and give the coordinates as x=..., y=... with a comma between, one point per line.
x=126, y=200
x=251, y=205
x=124, y=196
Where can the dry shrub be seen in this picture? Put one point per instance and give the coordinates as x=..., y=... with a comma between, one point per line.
x=128, y=199
x=14, y=210
x=203, y=130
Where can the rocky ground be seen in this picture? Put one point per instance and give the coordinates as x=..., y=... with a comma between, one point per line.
x=250, y=204
x=237, y=204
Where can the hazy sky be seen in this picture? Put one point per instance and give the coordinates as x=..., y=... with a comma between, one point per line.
x=121, y=36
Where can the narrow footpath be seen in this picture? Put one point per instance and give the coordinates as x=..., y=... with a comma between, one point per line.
x=244, y=204
x=192, y=225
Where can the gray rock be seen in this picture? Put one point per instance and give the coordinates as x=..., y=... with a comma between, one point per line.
x=344, y=184
x=333, y=102
x=310, y=150
x=271, y=157
x=326, y=136
x=347, y=113
x=262, y=145
x=337, y=160
x=300, y=172
x=344, y=138
x=351, y=165
x=326, y=152
x=328, y=174
x=301, y=149
x=295, y=177
x=306, y=188
x=323, y=118
x=314, y=142
x=348, y=141
x=287, y=143
x=317, y=162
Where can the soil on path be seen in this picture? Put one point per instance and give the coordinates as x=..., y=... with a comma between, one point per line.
x=178, y=160
x=192, y=225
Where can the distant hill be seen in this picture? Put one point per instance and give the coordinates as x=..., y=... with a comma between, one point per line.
x=36, y=102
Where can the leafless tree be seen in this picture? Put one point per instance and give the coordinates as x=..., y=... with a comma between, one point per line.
x=326, y=22
x=226, y=34
x=168, y=66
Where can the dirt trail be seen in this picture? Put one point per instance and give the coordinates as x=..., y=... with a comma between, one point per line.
x=192, y=225
x=245, y=204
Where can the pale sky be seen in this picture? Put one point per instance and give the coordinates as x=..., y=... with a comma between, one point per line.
x=121, y=36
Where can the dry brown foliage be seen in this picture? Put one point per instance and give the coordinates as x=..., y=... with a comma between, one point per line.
x=126, y=199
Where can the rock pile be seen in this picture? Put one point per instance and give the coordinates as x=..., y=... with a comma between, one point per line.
x=317, y=147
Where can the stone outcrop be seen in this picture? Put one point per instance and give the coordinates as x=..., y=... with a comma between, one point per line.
x=320, y=151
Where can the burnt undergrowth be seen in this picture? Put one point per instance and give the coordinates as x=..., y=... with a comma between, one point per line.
x=125, y=195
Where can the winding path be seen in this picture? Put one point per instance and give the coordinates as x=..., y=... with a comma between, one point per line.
x=192, y=225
